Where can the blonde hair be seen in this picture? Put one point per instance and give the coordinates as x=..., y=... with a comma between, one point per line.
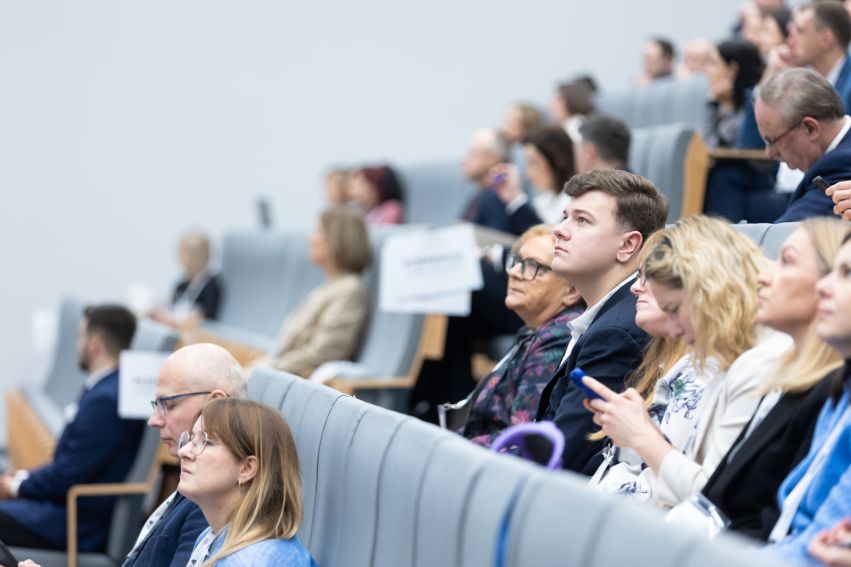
x=799, y=369
x=196, y=246
x=533, y=232
x=271, y=506
x=347, y=238
x=717, y=269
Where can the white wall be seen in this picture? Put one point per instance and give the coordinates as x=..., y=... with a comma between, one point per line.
x=122, y=123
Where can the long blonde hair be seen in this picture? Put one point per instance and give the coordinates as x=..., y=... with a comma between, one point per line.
x=717, y=269
x=799, y=369
x=271, y=507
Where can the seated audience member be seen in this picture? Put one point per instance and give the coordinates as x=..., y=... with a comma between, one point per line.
x=703, y=275
x=696, y=55
x=546, y=303
x=329, y=323
x=816, y=495
x=522, y=119
x=548, y=161
x=571, y=105
x=658, y=61
x=96, y=446
x=772, y=30
x=489, y=148
x=744, y=485
x=607, y=220
x=199, y=293
x=336, y=187
x=831, y=546
x=736, y=189
x=239, y=464
x=378, y=191
x=803, y=122
x=603, y=144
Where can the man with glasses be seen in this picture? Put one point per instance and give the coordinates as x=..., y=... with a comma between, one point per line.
x=189, y=378
x=802, y=120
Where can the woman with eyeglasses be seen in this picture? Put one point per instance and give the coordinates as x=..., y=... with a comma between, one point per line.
x=239, y=464
x=545, y=302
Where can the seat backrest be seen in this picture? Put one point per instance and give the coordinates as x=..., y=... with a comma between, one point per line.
x=264, y=276
x=154, y=337
x=774, y=238
x=667, y=101
x=64, y=378
x=435, y=193
x=659, y=154
x=755, y=231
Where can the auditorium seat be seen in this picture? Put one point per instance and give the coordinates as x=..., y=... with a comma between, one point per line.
x=435, y=193
x=667, y=101
x=769, y=237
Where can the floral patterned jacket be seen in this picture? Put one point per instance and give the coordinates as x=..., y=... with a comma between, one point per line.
x=510, y=393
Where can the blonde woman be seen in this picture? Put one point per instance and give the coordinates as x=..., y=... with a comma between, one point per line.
x=239, y=464
x=744, y=486
x=703, y=275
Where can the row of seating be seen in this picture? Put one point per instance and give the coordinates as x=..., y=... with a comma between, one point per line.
x=666, y=101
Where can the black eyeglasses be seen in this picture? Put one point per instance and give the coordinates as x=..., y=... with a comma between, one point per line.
x=771, y=142
x=162, y=404
x=529, y=268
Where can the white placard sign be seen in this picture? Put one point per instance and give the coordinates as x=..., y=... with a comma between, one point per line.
x=430, y=271
x=137, y=382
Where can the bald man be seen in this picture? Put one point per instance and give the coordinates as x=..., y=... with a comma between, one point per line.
x=189, y=378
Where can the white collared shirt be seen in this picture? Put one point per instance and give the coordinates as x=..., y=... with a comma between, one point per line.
x=842, y=131
x=579, y=325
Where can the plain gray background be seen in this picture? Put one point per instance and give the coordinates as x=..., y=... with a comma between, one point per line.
x=123, y=123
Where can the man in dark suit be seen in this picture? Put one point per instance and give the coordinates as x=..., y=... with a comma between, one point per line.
x=610, y=215
x=96, y=446
x=189, y=378
x=803, y=122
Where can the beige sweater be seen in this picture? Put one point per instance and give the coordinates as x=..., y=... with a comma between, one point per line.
x=328, y=325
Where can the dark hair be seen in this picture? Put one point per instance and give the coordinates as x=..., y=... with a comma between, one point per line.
x=587, y=81
x=114, y=324
x=609, y=135
x=834, y=16
x=781, y=17
x=640, y=206
x=386, y=182
x=747, y=58
x=665, y=46
x=577, y=98
x=557, y=148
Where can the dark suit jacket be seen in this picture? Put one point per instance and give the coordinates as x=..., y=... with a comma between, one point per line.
x=810, y=201
x=171, y=541
x=843, y=84
x=208, y=299
x=745, y=487
x=96, y=447
x=609, y=350
x=487, y=209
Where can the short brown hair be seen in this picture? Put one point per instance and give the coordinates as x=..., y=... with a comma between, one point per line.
x=640, y=206
x=347, y=238
x=834, y=16
x=114, y=324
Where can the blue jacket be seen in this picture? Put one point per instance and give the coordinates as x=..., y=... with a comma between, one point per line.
x=172, y=539
x=266, y=553
x=828, y=498
x=97, y=446
x=487, y=209
x=810, y=201
x=843, y=84
x=611, y=348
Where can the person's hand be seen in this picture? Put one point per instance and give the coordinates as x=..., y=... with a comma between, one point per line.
x=28, y=563
x=5, y=486
x=841, y=195
x=779, y=58
x=504, y=178
x=623, y=417
x=830, y=546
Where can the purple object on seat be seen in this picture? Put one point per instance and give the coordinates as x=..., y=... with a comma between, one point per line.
x=541, y=442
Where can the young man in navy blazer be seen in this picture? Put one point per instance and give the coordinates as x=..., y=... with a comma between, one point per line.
x=96, y=446
x=610, y=215
x=189, y=378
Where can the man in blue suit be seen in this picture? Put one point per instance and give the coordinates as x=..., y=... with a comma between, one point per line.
x=610, y=215
x=96, y=446
x=802, y=120
x=189, y=378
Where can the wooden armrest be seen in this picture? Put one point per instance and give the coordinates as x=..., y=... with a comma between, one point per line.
x=352, y=386
x=738, y=153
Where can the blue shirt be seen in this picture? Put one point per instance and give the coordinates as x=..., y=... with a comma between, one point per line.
x=266, y=553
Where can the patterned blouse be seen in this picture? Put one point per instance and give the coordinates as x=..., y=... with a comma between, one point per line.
x=510, y=393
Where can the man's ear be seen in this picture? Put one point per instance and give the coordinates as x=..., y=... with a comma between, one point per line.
x=217, y=393
x=630, y=246
x=812, y=127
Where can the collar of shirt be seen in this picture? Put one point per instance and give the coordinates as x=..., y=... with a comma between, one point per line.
x=96, y=377
x=833, y=75
x=844, y=130
x=579, y=325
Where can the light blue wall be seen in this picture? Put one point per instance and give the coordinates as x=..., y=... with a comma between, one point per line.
x=121, y=123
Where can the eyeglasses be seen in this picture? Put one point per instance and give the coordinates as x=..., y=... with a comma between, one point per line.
x=164, y=403
x=529, y=268
x=771, y=142
x=197, y=441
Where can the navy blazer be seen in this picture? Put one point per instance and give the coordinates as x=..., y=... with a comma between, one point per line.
x=745, y=486
x=97, y=446
x=172, y=539
x=843, y=84
x=487, y=209
x=810, y=201
x=611, y=348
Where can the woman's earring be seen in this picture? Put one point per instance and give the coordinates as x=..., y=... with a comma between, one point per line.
x=239, y=483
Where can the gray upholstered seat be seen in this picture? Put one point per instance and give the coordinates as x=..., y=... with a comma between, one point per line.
x=435, y=193
x=663, y=102
x=774, y=238
x=755, y=231
x=659, y=154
